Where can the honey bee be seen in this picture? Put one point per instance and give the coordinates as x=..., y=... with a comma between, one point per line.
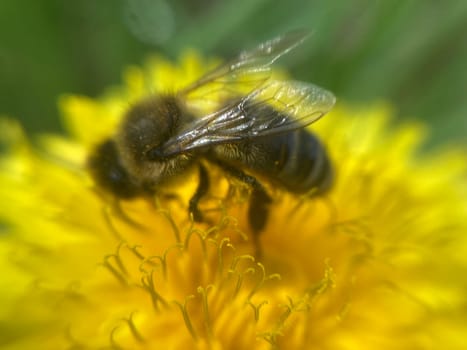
x=258, y=133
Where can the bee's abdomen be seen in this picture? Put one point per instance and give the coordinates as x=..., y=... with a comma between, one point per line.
x=297, y=160
x=301, y=162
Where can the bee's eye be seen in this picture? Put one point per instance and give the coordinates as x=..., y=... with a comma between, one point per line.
x=155, y=153
x=108, y=172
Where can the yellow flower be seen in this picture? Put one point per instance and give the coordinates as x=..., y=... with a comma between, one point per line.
x=379, y=262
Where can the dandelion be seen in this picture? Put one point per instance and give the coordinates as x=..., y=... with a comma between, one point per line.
x=378, y=262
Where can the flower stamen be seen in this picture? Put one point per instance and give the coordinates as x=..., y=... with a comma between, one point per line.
x=207, y=320
x=256, y=308
x=262, y=279
x=113, y=342
x=133, y=329
x=225, y=242
x=147, y=282
x=117, y=272
x=173, y=225
x=186, y=317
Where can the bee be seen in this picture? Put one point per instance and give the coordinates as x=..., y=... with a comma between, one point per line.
x=258, y=133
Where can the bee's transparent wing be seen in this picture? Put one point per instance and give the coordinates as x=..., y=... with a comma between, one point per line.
x=276, y=107
x=250, y=67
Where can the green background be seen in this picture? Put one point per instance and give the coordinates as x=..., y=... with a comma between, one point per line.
x=412, y=53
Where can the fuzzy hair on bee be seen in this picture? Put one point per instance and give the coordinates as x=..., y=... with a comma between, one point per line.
x=259, y=133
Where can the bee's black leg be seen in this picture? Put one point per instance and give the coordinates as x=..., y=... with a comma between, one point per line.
x=201, y=190
x=258, y=211
x=259, y=201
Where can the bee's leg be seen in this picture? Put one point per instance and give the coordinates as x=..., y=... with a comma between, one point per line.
x=258, y=211
x=259, y=202
x=201, y=190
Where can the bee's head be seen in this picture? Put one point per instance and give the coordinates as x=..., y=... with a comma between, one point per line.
x=108, y=171
x=122, y=166
x=147, y=125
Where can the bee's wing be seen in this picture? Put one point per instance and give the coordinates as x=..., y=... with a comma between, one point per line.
x=276, y=107
x=250, y=67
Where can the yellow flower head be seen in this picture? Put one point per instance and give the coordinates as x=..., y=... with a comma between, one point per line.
x=377, y=262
